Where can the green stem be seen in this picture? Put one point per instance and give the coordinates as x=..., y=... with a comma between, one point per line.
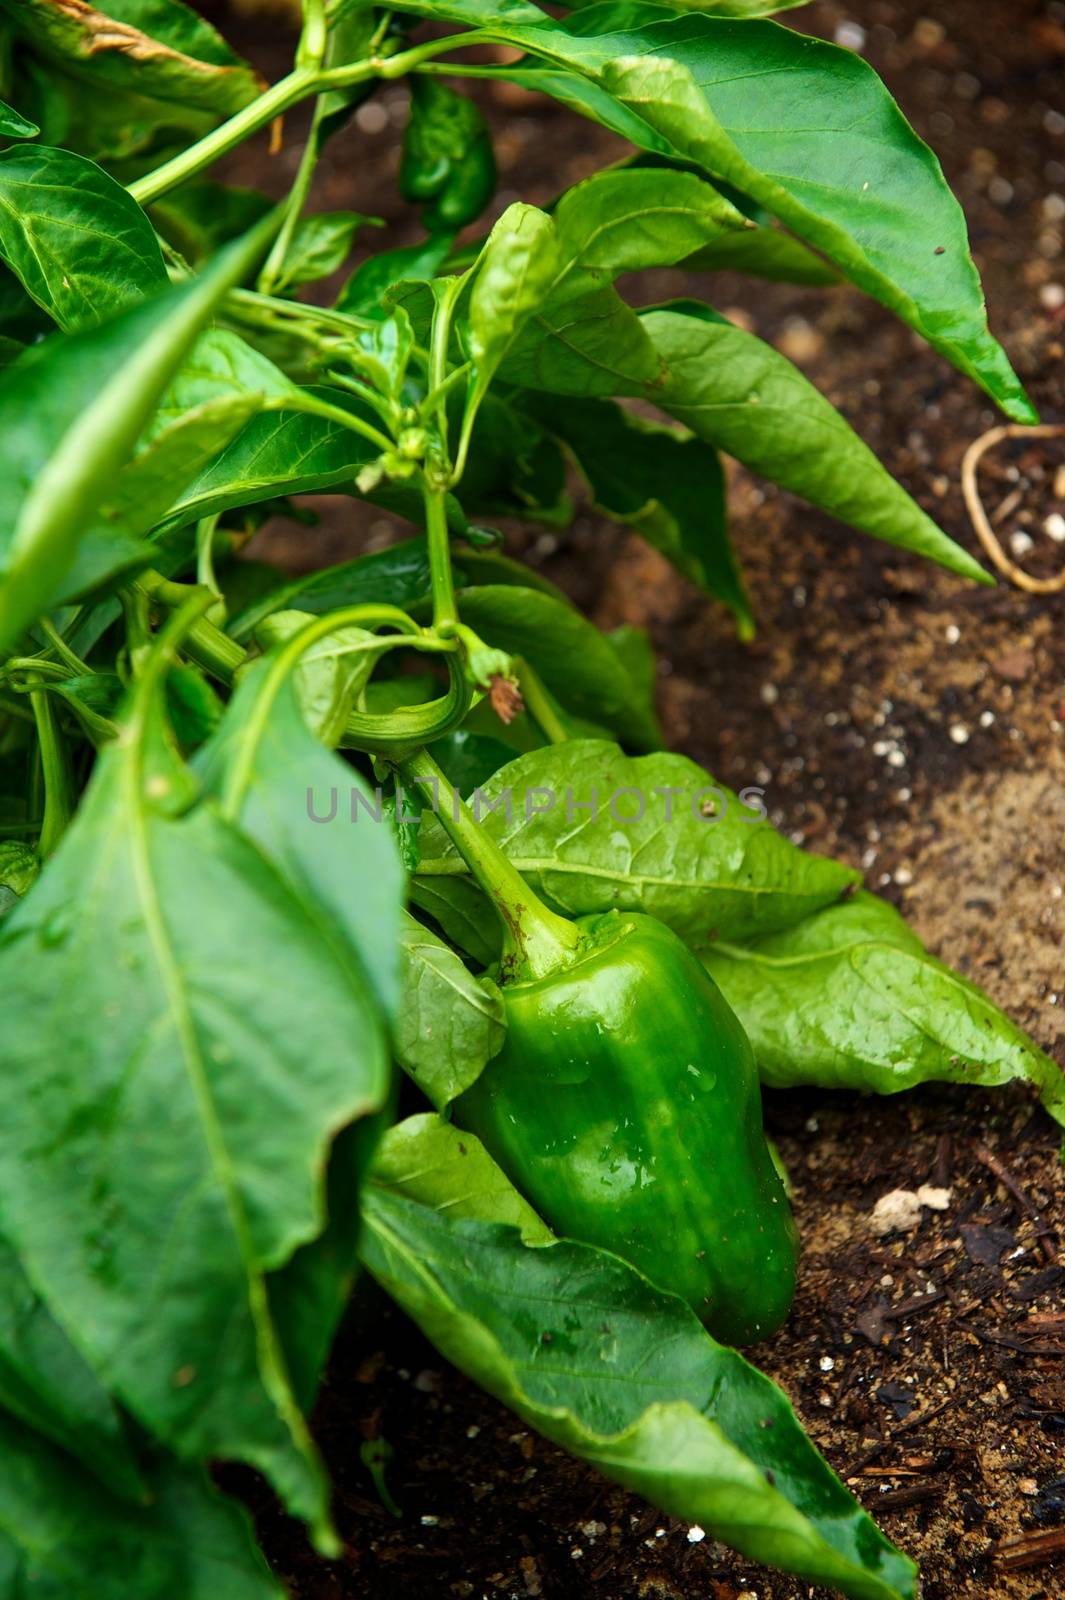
x=61, y=648
x=538, y=703
x=300, y=400
x=535, y=940
x=273, y=102
x=294, y=204
x=278, y=99
x=55, y=772
x=445, y=610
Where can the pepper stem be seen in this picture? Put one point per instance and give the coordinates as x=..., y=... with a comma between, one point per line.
x=536, y=941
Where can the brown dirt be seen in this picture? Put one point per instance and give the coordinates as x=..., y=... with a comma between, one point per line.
x=907, y=723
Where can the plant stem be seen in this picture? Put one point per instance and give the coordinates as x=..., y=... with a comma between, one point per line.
x=535, y=940
x=538, y=703
x=278, y=99
x=61, y=648
x=273, y=102
x=55, y=771
x=445, y=611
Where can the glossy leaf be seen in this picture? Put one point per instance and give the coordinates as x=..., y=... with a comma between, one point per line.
x=80, y=246
x=285, y=452
x=449, y=1024
x=47, y=1384
x=517, y=268
x=365, y=289
x=71, y=411
x=809, y=131
x=667, y=485
x=584, y=339
x=427, y=1159
x=15, y=126
x=750, y=401
x=850, y=999
x=320, y=245
x=575, y=660
x=279, y=784
x=724, y=871
x=397, y=576
x=155, y=1256
x=586, y=1351
x=330, y=673
x=63, y=1537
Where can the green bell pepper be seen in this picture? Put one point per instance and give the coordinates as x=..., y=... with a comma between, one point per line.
x=625, y=1101
x=625, y=1104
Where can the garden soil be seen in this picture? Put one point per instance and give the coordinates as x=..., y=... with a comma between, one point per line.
x=897, y=718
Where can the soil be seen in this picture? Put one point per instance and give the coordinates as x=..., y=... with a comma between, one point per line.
x=901, y=720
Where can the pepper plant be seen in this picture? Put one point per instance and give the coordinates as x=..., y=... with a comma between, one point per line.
x=238, y=880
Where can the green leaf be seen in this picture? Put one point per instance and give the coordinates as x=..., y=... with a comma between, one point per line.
x=277, y=782
x=809, y=131
x=80, y=246
x=320, y=245
x=158, y=49
x=667, y=485
x=449, y=1024
x=850, y=999
x=583, y=1349
x=365, y=289
x=287, y=452
x=397, y=576
x=430, y=1161
x=583, y=339
x=744, y=397
x=576, y=661
x=170, y=919
x=726, y=872
x=764, y=253
x=47, y=1384
x=63, y=1537
x=516, y=269
x=71, y=411
x=198, y=218
x=15, y=126
x=330, y=674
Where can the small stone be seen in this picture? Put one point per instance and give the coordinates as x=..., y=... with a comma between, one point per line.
x=986, y=718
x=952, y=633
x=1052, y=296
x=851, y=35
x=959, y=733
x=934, y=1198
x=1021, y=543
x=896, y=758
x=696, y=1535
x=896, y=1212
x=826, y=1364
x=770, y=694
x=903, y=876
x=1054, y=527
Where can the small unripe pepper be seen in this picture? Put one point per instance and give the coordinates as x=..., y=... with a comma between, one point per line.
x=625, y=1101
x=448, y=164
